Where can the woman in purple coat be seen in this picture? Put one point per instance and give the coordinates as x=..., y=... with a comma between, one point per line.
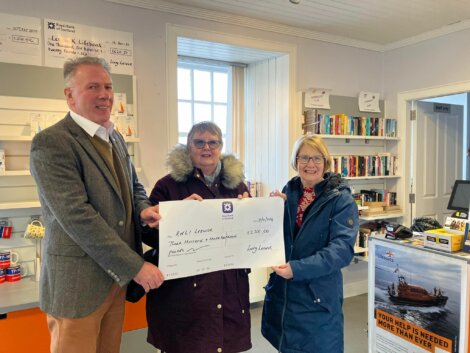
x=206, y=313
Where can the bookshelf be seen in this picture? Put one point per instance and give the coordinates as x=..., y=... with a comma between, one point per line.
x=364, y=149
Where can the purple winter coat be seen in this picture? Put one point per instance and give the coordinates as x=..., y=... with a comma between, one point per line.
x=209, y=312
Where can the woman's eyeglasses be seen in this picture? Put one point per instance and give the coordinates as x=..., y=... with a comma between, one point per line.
x=213, y=144
x=315, y=159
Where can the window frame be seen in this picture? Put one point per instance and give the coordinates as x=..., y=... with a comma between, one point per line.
x=212, y=68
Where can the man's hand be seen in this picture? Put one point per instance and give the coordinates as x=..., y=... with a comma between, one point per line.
x=283, y=270
x=149, y=277
x=150, y=216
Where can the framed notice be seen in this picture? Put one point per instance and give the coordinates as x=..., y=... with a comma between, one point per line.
x=20, y=39
x=64, y=40
x=417, y=300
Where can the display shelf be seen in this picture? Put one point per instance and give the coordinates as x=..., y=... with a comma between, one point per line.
x=372, y=177
x=359, y=250
x=19, y=205
x=15, y=138
x=381, y=216
x=358, y=137
x=30, y=138
x=19, y=242
x=131, y=139
x=15, y=173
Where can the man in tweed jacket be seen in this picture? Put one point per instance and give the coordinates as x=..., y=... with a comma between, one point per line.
x=93, y=207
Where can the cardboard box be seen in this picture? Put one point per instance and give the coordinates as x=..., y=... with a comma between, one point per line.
x=444, y=239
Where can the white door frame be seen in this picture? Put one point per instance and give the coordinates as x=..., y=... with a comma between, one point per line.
x=404, y=117
x=175, y=31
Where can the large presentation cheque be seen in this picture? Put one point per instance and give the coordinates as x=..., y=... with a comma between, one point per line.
x=204, y=236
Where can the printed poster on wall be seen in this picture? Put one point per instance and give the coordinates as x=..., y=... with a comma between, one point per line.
x=20, y=40
x=64, y=40
x=318, y=98
x=417, y=301
x=369, y=102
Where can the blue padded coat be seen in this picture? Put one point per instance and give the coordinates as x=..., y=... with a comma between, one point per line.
x=304, y=314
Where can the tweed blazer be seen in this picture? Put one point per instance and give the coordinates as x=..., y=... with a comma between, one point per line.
x=84, y=216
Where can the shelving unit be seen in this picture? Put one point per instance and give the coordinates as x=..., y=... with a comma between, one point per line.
x=381, y=216
x=358, y=137
x=10, y=173
x=18, y=196
x=373, y=177
x=355, y=276
x=19, y=205
x=15, y=138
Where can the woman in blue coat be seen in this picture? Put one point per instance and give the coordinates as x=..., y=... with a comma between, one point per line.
x=302, y=310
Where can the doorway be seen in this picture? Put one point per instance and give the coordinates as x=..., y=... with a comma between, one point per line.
x=437, y=159
x=408, y=101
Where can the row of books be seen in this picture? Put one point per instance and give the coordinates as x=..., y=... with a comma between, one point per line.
x=382, y=164
x=383, y=197
x=342, y=124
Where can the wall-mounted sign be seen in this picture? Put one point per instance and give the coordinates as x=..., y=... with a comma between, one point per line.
x=369, y=102
x=64, y=40
x=441, y=108
x=318, y=98
x=20, y=39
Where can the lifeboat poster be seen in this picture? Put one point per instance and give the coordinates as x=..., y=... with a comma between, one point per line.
x=417, y=300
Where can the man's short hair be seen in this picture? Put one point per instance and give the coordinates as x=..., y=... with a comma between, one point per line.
x=71, y=65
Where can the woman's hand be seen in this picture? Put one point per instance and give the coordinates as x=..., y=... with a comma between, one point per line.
x=279, y=194
x=284, y=270
x=244, y=196
x=194, y=197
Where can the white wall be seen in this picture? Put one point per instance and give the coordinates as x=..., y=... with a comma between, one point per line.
x=433, y=66
x=344, y=69
x=437, y=62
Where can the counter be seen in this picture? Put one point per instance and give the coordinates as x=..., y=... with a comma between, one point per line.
x=19, y=301
x=418, y=298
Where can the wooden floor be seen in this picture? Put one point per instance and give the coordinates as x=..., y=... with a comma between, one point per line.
x=355, y=331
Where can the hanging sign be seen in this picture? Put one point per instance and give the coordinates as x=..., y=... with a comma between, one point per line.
x=318, y=98
x=64, y=40
x=369, y=102
x=20, y=39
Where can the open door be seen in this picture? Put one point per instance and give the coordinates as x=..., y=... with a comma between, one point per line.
x=437, y=157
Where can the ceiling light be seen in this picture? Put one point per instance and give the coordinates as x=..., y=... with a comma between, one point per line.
x=295, y=1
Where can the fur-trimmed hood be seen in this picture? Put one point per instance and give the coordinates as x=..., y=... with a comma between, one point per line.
x=181, y=168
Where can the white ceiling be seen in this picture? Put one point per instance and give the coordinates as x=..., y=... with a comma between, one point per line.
x=196, y=48
x=372, y=24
